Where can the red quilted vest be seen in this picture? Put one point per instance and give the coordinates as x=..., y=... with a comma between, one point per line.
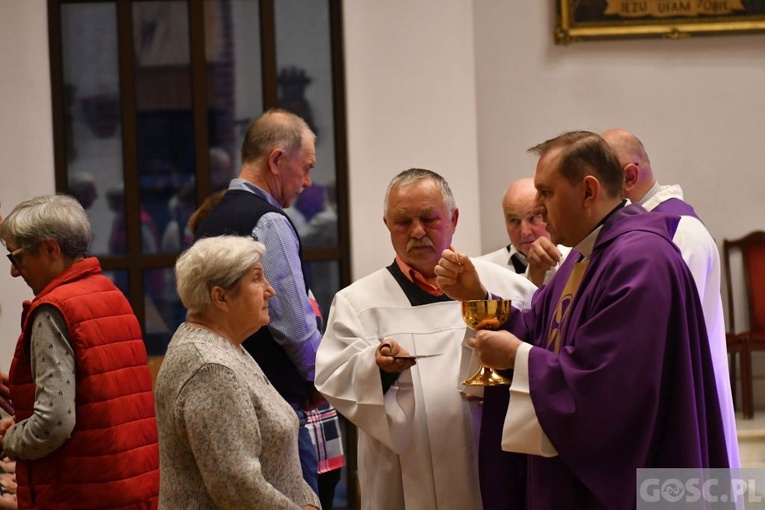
x=112, y=458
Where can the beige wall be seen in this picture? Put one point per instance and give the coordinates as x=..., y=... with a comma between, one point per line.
x=697, y=104
x=411, y=103
x=26, y=139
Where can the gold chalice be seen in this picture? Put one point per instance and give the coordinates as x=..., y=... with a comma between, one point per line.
x=486, y=314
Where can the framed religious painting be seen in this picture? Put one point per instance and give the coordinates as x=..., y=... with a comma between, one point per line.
x=581, y=20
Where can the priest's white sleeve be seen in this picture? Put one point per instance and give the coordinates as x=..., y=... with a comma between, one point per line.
x=522, y=432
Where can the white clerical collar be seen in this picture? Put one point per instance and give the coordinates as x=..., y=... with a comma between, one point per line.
x=587, y=244
x=651, y=193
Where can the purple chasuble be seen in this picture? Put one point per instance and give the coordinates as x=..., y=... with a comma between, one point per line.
x=676, y=207
x=633, y=384
x=502, y=475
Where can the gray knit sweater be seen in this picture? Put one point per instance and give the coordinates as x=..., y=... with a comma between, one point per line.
x=227, y=439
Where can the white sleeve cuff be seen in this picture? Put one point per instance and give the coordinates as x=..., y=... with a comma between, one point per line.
x=522, y=432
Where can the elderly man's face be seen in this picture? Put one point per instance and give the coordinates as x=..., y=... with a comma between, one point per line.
x=420, y=225
x=295, y=173
x=524, y=225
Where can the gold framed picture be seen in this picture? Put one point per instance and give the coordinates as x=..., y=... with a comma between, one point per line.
x=581, y=20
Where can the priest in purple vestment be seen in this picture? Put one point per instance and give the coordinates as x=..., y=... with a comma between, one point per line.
x=612, y=365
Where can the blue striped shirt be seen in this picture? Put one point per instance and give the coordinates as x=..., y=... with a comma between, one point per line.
x=293, y=322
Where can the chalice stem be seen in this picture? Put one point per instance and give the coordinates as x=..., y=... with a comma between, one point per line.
x=487, y=377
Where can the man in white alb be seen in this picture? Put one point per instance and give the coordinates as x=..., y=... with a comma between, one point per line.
x=417, y=433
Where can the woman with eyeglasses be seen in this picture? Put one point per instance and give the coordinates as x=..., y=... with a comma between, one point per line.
x=83, y=432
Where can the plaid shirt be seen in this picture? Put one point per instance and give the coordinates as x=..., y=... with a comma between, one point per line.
x=322, y=421
x=324, y=427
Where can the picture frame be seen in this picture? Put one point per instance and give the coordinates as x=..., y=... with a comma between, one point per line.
x=582, y=20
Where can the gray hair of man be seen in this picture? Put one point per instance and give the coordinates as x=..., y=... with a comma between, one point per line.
x=59, y=218
x=214, y=262
x=275, y=129
x=414, y=175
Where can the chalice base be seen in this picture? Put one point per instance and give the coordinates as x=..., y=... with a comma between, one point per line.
x=487, y=377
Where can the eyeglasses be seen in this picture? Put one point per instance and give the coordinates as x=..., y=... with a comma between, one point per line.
x=12, y=256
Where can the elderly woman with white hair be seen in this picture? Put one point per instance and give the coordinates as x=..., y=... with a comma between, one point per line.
x=227, y=438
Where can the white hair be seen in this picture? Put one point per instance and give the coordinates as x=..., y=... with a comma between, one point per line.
x=214, y=261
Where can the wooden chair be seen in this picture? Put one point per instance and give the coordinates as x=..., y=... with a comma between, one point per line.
x=752, y=249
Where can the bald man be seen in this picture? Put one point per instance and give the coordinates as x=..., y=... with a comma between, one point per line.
x=698, y=250
x=523, y=226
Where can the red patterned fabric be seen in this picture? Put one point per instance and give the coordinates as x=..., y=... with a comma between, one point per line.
x=112, y=458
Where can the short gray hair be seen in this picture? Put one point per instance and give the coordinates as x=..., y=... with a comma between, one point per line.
x=56, y=217
x=275, y=129
x=214, y=261
x=414, y=175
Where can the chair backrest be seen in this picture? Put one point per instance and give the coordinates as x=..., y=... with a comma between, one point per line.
x=752, y=248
